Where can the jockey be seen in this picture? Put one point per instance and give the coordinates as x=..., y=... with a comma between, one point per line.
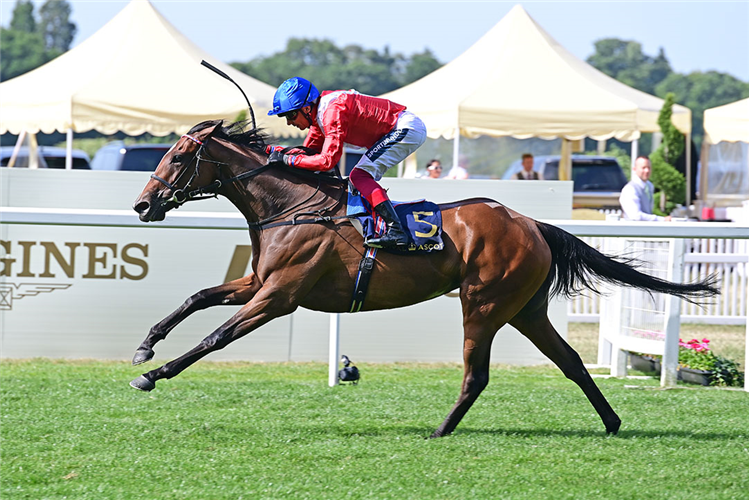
x=341, y=117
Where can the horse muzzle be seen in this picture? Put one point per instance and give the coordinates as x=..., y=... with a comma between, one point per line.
x=153, y=209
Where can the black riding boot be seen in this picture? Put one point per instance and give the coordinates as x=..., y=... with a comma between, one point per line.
x=395, y=236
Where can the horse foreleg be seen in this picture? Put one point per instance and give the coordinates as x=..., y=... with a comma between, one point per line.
x=266, y=305
x=536, y=326
x=476, y=354
x=237, y=292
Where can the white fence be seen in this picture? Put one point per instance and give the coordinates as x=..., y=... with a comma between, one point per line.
x=727, y=258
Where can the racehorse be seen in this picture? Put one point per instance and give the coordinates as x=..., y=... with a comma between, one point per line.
x=306, y=253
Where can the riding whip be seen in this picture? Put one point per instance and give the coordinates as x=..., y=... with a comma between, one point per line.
x=224, y=75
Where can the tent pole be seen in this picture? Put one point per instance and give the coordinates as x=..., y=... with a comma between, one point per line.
x=69, y=150
x=33, y=151
x=565, y=162
x=456, y=146
x=688, y=168
x=16, y=149
x=633, y=152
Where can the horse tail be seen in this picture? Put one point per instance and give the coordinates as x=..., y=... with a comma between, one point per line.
x=576, y=266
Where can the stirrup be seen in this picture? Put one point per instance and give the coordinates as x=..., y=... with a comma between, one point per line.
x=391, y=239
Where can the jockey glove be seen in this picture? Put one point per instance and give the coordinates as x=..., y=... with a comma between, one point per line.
x=277, y=156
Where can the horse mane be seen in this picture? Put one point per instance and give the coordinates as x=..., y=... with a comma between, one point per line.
x=236, y=133
x=256, y=139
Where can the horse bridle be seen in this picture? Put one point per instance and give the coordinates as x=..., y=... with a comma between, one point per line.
x=183, y=195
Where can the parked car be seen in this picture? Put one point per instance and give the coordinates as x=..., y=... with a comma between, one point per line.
x=598, y=180
x=49, y=157
x=133, y=157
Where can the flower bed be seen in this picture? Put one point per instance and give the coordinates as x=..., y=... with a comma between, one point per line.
x=698, y=364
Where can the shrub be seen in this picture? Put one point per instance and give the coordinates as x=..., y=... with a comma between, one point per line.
x=697, y=355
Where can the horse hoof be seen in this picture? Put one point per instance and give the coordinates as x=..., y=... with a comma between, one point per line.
x=613, y=428
x=142, y=355
x=143, y=384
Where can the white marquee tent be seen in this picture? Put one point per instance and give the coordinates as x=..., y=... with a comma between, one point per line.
x=136, y=74
x=724, y=175
x=729, y=123
x=517, y=81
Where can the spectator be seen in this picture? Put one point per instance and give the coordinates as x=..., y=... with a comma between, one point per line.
x=459, y=171
x=434, y=169
x=637, y=196
x=527, y=173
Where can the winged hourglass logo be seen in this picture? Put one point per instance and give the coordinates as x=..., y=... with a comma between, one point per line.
x=11, y=291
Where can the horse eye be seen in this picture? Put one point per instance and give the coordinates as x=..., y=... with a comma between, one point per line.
x=177, y=159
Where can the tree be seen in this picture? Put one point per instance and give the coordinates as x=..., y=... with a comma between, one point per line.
x=20, y=52
x=664, y=176
x=420, y=66
x=700, y=91
x=625, y=61
x=23, y=17
x=55, y=25
x=330, y=67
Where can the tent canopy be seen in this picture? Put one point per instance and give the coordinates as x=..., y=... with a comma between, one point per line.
x=136, y=74
x=729, y=123
x=517, y=81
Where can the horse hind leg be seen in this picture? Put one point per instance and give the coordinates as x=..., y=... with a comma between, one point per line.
x=236, y=292
x=476, y=355
x=535, y=325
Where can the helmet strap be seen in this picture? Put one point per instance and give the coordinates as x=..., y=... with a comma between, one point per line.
x=308, y=116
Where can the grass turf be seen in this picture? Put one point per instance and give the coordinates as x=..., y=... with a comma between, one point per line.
x=240, y=430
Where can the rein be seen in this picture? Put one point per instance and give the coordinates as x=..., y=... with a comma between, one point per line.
x=183, y=195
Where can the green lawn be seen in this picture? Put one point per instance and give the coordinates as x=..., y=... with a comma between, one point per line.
x=76, y=430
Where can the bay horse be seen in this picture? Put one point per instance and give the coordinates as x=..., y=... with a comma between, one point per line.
x=306, y=253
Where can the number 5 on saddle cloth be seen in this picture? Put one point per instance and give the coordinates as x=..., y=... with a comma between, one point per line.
x=421, y=219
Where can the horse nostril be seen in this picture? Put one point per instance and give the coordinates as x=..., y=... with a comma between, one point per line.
x=141, y=207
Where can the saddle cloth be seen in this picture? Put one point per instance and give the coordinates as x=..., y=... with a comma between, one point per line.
x=421, y=219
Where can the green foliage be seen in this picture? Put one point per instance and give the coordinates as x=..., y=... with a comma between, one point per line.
x=330, y=67
x=668, y=180
x=23, y=17
x=700, y=91
x=698, y=356
x=625, y=61
x=21, y=52
x=28, y=44
x=673, y=143
x=55, y=25
x=664, y=176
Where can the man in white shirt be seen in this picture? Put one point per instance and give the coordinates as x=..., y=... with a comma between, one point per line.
x=636, y=198
x=459, y=171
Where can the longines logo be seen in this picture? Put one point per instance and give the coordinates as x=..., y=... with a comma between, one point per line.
x=10, y=292
x=75, y=260
x=21, y=261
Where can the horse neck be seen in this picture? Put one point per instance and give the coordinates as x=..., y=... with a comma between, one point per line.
x=275, y=190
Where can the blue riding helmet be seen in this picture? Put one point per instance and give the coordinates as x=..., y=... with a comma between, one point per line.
x=295, y=93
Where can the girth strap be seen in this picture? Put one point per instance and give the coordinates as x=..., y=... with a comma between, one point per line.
x=366, y=265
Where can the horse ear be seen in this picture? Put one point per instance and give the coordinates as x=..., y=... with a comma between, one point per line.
x=210, y=130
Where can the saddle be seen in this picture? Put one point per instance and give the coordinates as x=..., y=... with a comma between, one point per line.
x=421, y=219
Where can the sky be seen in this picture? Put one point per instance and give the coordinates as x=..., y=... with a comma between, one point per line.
x=696, y=36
